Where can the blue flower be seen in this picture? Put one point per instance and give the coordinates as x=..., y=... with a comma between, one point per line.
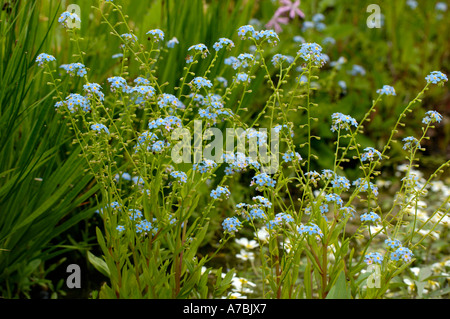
x=219, y=191
x=278, y=59
x=256, y=213
x=334, y=198
x=341, y=121
x=244, y=31
x=328, y=40
x=312, y=52
x=348, y=211
x=233, y=61
x=371, y=258
x=76, y=100
x=441, y=6
x=328, y=173
x=205, y=166
x=364, y=186
x=402, y=253
x=263, y=201
x=99, y=127
x=157, y=146
x=117, y=82
x=134, y=214
x=436, y=77
x=43, y=58
x=231, y=224
x=75, y=69
x=410, y=142
x=67, y=18
x=145, y=226
x=169, y=123
x=181, y=176
x=386, y=90
x=357, y=70
x=393, y=243
x=369, y=154
x=432, y=117
x=172, y=42
x=117, y=55
x=120, y=228
x=244, y=60
x=263, y=180
x=146, y=92
x=201, y=82
x=270, y=35
x=370, y=217
x=129, y=38
x=157, y=34
x=280, y=219
x=94, y=89
x=166, y=99
x=242, y=77
x=310, y=229
x=199, y=48
x=341, y=182
x=223, y=42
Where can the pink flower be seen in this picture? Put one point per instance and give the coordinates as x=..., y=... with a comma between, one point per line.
x=275, y=23
x=291, y=8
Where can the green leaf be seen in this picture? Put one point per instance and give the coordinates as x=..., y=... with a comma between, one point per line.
x=98, y=263
x=340, y=289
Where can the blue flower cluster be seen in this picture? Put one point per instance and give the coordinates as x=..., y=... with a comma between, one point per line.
x=410, y=143
x=223, y=42
x=341, y=121
x=75, y=69
x=180, y=176
x=157, y=35
x=200, y=82
x=205, y=166
x=386, y=90
x=44, y=58
x=279, y=220
x=370, y=217
x=75, y=102
x=432, y=117
x=436, y=77
x=289, y=156
x=231, y=224
x=219, y=191
x=94, y=89
x=310, y=229
x=369, y=154
x=371, y=258
x=312, y=53
x=66, y=19
x=263, y=179
x=238, y=162
x=99, y=127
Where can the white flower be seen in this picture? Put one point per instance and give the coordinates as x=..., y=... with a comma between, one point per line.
x=410, y=283
x=241, y=284
x=246, y=255
x=248, y=244
x=415, y=270
x=263, y=234
x=235, y=295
